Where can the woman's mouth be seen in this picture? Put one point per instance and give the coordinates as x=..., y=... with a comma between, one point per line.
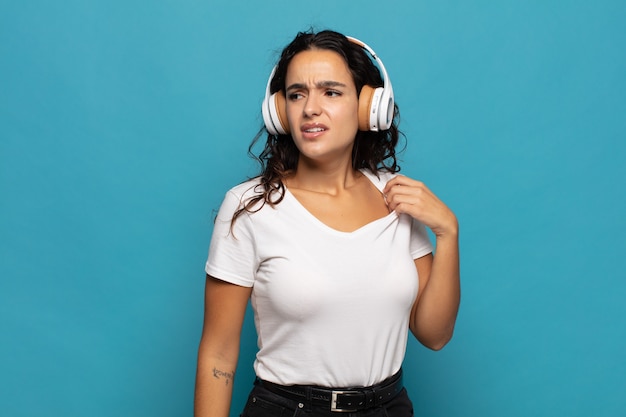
x=311, y=131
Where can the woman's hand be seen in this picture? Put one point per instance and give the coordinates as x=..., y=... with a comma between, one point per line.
x=405, y=195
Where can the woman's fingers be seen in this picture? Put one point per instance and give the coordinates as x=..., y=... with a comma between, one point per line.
x=405, y=195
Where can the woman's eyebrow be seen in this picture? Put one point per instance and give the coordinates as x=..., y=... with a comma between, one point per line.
x=320, y=84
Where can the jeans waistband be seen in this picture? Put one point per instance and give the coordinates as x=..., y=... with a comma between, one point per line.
x=343, y=399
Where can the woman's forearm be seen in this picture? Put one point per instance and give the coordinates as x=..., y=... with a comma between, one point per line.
x=214, y=386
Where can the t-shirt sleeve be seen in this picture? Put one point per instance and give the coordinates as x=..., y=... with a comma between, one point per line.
x=232, y=253
x=420, y=243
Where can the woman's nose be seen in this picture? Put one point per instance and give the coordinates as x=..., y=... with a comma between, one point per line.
x=312, y=106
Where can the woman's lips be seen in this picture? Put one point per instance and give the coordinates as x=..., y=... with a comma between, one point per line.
x=313, y=130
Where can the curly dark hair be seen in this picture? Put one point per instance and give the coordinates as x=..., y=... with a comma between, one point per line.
x=279, y=158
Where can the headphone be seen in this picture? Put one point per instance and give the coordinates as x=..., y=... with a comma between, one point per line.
x=376, y=104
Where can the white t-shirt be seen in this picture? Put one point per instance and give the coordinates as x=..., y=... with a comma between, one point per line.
x=331, y=308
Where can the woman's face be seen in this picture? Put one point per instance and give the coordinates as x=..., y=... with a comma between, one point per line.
x=322, y=105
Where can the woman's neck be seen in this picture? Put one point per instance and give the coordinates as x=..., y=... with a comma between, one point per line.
x=323, y=178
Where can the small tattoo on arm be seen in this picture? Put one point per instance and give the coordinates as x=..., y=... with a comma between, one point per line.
x=227, y=376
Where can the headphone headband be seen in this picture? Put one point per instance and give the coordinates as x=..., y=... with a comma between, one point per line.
x=376, y=104
x=386, y=81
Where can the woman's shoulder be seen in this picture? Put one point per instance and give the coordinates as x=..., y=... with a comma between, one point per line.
x=236, y=196
x=247, y=188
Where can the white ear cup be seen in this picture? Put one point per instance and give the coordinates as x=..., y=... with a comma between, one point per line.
x=375, y=112
x=386, y=108
x=280, y=126
x=267, y=118
x=271, y=113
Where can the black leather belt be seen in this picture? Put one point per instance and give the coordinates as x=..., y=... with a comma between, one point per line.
x=340, y=400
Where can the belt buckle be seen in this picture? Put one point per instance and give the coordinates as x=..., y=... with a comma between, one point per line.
x=333, y=402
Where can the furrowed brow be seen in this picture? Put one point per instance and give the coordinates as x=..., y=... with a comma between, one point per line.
x=327, y=84
x=321, y=84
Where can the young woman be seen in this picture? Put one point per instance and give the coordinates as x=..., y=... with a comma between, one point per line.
x=329, y=244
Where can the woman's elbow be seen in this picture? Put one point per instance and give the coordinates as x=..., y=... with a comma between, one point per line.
x=435, y=343
x=437, y=346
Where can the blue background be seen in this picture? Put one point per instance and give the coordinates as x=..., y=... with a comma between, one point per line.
x=123, y=123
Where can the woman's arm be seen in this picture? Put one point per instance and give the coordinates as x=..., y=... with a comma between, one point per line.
x=224, y=311
x=435, y=309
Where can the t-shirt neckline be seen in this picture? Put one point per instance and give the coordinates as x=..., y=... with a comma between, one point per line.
x=372, y=178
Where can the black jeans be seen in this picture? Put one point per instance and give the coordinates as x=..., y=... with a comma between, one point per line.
x=263, y=403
